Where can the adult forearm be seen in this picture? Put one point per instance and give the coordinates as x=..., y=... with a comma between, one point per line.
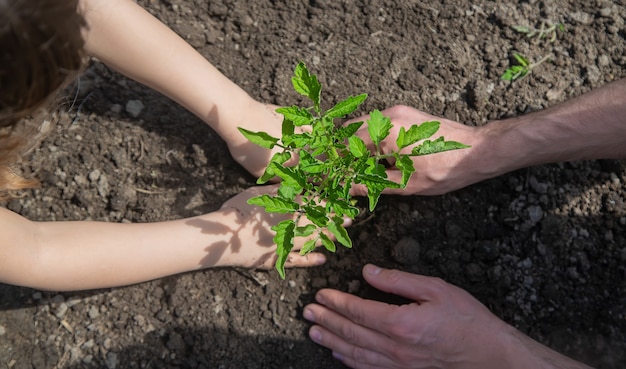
x=129, y=39
x=591, y=126
x=522, y=352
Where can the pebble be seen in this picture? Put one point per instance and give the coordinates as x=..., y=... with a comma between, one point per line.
x=3, y=330
x=61, y=310
x=535, y=213
x=93, y=312
x=134, y=108
x=111, y=360
x=406, y=251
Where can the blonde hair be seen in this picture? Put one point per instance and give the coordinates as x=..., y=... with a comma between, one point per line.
x=41, y=53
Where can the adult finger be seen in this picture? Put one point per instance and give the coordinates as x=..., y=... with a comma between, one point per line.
x=374, y=315
x=412, y=286
x=351, y=341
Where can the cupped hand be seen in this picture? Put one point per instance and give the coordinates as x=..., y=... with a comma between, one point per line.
x=445, y=327
x=251, y=242
x=435, y=174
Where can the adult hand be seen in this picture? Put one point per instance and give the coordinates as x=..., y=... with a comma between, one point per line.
x=251, y=242
x=437, y=173
x=444, y=327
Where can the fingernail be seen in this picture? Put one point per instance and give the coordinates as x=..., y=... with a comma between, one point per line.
x=337, y=356
x=372, y=269
x=315, y=335
x=308, y=315
x=319, y=298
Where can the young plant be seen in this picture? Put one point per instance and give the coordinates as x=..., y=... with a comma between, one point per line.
x=522, y=69
x=546, y=30
x=328, y=159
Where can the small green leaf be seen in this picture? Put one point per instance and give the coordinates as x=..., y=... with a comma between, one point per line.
x=521, y=59
x=373, y=194
x=328, y=243
x=284, y=243
x=288, y=192
x=378, y=126
x=349, y=130
x=288, y=128
x=289, y=175
x=299, y=116
x=274, y=204
x=316, y=214
x=305, y=231
x=280, y=158
x=260, y=138
x=438, y=145
x=416, y=133
x=405, y=165
x=521, y=29
x=346, y=106
x=297, y=140
x=341, y=234
x=357, y=146
x=342, y=208
x=306, y=84
x=375, y=168
x=308, y=247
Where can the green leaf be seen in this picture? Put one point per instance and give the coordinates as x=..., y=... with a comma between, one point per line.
x=438, y=145
x=299, y=116
x=306, y=84
x=521, y=59
x=305, y=231
x=521, y=29
x=274, y=204
x=316, y=214
x=342, y=208
x=288, y=192
x=375, y=181
x=328, y=243
x=297, y=140
x=346, y=106
x=416, y=133
x=357, y=146
x=341, y=234
x=348, y=130
x=288, y=128
x=289, y=175
x=280, y=158
x=375, y=168
x=515, y=72
x=373, y=194
x=378, y=126
x=284, y=243
x=260, y=138
x=375, y=186
x=405, y=165
x=308, y=247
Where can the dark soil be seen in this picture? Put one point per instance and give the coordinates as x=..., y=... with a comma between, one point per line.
x=543, y=247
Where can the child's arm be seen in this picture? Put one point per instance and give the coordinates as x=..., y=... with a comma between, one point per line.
x=129, y=39
x=87, y=255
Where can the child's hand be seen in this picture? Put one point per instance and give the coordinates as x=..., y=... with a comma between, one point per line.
x=250, y=240
x=258, y=118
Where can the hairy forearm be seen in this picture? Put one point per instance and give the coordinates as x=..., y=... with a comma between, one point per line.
x=591, y=126
x=522, y=352
x=129, y=39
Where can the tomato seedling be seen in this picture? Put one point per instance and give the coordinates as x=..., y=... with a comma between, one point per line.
x=328, y=159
